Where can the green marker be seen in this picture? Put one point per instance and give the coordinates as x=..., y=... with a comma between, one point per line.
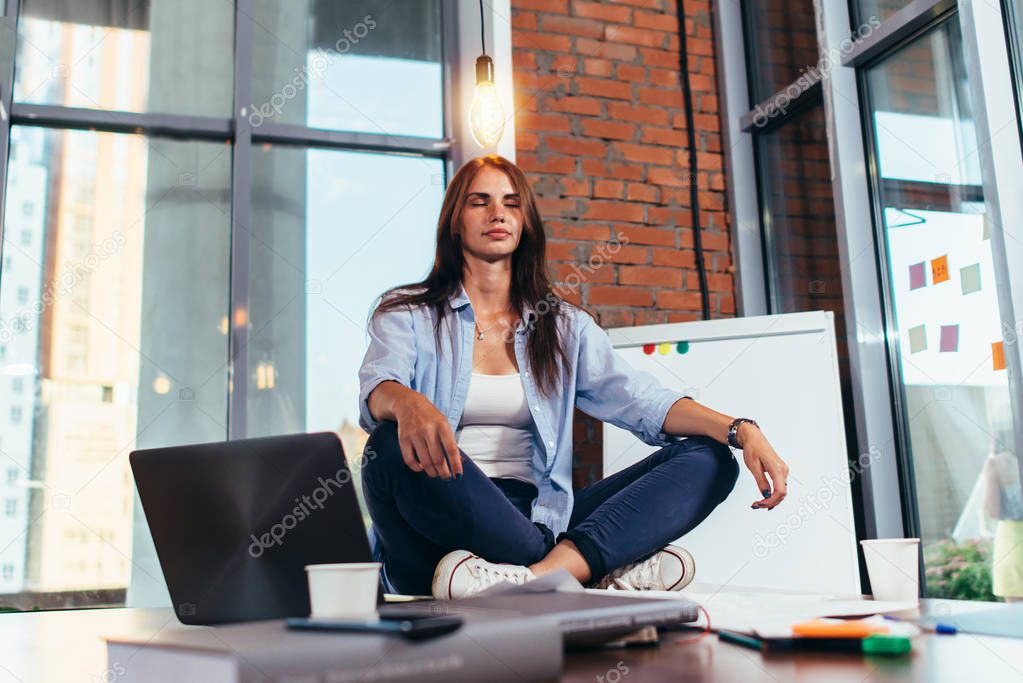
x=880, y=644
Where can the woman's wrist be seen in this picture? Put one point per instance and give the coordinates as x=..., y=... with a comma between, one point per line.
x=746, y=431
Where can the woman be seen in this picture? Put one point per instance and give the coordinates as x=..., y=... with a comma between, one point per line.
x=1003, y=501
x=468, y=389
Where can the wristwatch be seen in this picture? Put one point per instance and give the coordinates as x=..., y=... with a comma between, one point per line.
x=733, y=430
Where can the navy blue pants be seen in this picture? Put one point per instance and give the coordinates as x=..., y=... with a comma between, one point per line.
x=623, y=518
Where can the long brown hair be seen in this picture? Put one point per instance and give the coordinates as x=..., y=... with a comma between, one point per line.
x=530, y=281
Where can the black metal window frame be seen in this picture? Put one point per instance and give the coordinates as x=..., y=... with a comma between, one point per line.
x=239, y=132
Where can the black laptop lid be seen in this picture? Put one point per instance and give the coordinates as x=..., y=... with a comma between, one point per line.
x=235, y=523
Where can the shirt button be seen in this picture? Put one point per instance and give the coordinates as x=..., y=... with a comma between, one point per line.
x=551, y=444
x=536, y=407
x=527, y=374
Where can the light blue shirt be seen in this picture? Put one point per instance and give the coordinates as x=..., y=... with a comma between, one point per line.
x=403, y=348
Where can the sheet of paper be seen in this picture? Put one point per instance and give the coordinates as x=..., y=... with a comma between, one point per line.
x=745, y=610
x=559, y=580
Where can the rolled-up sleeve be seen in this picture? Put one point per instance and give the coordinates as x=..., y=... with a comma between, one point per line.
x=611, y=390
x=390, y=356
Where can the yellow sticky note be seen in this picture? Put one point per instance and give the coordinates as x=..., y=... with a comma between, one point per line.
x=939, y=269
x=998, y=355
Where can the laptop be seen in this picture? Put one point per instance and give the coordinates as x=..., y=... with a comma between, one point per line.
x=235, y=523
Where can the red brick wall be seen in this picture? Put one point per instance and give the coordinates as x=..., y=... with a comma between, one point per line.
x=600, y=130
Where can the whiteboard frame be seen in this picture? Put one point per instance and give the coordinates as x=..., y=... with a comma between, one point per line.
x=761, y=326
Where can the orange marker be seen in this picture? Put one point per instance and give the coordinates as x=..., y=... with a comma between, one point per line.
x=854, y=628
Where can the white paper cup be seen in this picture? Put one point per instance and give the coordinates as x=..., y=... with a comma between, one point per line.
x=893, y=565
x=347, y=590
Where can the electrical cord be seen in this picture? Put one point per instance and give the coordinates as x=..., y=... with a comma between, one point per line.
x=694, y=190
x=483, y=33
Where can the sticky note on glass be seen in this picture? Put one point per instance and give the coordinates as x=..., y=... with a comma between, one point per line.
x=949, y=339
x=917, y=275
x=917, y=339
x=939, y=269
x=969, y=278
x=998, y=356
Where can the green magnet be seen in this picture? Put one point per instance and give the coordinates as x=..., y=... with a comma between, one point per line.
x=682, y=347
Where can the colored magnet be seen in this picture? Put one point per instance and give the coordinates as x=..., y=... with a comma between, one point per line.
x=917, y=339
x=682, y=347
x=949, y=342
x=939, y=269
x=998, y=355
x=917, y=276
x=664, y=348
x=649, y=348
x=969, y=278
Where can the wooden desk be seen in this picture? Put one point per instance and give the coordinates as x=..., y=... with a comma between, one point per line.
x=67, y=646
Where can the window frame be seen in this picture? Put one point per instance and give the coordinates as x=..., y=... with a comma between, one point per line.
x=459, y=45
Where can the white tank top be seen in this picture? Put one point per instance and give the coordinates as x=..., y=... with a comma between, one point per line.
x=496, y=427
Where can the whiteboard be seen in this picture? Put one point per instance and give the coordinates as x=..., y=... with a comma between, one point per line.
x=781, y=370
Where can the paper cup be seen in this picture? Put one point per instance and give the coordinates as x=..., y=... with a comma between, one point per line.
x=347, y=591
x=893, y=565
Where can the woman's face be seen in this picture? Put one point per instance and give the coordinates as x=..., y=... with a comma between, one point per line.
x=491, y=220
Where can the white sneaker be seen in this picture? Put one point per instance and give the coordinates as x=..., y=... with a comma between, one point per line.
x=461, y=574
x=669, y=569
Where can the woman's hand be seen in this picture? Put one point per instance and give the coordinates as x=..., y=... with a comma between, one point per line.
x=763, y=462
x=425, y=436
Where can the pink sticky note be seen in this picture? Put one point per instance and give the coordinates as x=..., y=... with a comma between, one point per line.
x=917, y=275
x=949, y=339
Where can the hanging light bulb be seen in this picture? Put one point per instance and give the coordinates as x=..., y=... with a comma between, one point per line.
x=486, y=115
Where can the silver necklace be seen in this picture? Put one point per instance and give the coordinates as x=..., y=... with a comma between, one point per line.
x=480, y=333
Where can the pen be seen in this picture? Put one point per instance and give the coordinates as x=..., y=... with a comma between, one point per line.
x=739, y=639
x=936, y=627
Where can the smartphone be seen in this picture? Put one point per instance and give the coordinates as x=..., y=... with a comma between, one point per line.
x=410, y=626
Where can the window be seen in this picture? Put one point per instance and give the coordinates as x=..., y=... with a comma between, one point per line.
x=135, y=242
x=782, y=44
x=12, y=475
x=138, y=69
x=865, y=10
x=943, y=295
x=8, y=571
x=101, y=340
x=11, y=507
x=322, y=252
x=361, y=65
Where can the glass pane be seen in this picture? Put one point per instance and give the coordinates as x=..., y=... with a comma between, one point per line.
x=799, y=214
x=866, y=10
x=945, y=303
x=325, y=227
x=168, y=56
x=781, y=40
x=359, y=65
x=113, y=295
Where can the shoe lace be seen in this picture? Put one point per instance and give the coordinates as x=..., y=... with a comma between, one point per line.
x=488, y=574
x=645, y=574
